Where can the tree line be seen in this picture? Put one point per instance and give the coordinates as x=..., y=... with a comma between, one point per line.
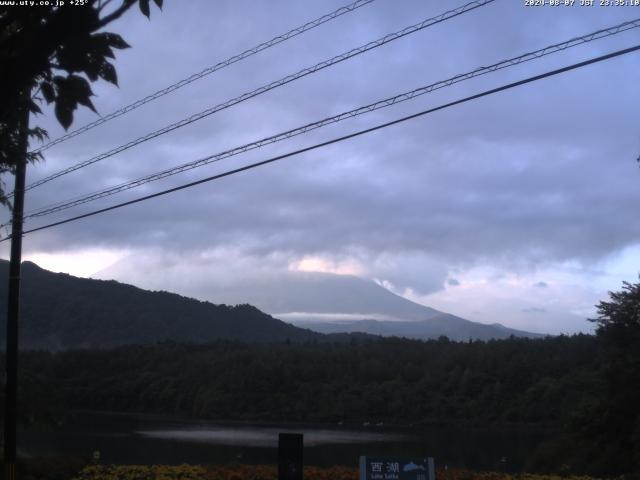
x=586, y=388
x=527, y=383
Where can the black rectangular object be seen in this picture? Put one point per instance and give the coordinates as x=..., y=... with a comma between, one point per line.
x=290, y=448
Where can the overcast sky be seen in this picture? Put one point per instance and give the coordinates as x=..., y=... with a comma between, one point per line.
x=519, y=208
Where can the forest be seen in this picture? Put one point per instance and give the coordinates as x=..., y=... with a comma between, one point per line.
x=554, y=383
x=584, y=388
x=389, y=380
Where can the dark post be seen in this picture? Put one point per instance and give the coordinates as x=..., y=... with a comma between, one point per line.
x=290, y=456
x=13, y=301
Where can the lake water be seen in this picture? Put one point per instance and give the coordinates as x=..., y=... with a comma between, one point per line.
x=143, y=439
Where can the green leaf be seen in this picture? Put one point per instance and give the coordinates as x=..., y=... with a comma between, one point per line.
x=72, y=90
x=79, y=85
x=74, y=56
x=47, y=91
x=39, y=133
x=80, y=89
x=59, y=81
x=33, y=157
x=144, y=8
x=114, y=40
x=93, y=65
x=87, y=103
x=99, y=46
x=64, y=112
x=108, y=73
x=34, y=108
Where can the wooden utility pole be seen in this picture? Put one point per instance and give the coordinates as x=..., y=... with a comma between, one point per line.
x=13, y=301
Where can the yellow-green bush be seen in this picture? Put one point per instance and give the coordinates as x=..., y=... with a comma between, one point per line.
x=270, y=472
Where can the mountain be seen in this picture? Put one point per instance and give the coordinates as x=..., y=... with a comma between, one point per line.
x=325, y=294
x=455, y=328
x=323, y=302
x=331, y=303
x=59, y=311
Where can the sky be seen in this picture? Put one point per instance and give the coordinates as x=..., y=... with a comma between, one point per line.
x=518, y=208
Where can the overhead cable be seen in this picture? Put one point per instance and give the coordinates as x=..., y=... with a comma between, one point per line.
x=340, y=139
x=387, y=102
x=209, y=70
x=270, y=86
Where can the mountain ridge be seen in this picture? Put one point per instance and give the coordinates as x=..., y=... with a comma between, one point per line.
x=446, y=325
x=60, y=311
x=303, y=298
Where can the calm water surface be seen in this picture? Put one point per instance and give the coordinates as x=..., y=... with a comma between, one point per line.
x=145, y=439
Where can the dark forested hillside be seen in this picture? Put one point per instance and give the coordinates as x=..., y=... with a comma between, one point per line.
x=237, y=363
x=552, y=383
x=59, y=311
x=390, y=380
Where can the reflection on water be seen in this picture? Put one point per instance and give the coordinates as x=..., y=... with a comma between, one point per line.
x=269, y=437
x=138, y=439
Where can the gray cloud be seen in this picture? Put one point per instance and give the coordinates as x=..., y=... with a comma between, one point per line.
x=534, y=310
x=541, y=285
x=539, y=175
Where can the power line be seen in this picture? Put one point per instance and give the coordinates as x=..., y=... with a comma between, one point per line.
x=64, y=205
x=209, y=70
x=265, y=88
x=340, y=139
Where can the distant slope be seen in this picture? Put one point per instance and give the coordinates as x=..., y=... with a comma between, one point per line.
x=453, y=327
x=324, y=293
x=330, y=303
x=59, y=311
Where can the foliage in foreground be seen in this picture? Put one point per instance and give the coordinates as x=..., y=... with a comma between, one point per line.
x=612, y=425
x=54, y=51
x=270, y=472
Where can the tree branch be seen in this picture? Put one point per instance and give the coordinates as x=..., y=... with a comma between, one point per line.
x=102, y=5
x=117, y=13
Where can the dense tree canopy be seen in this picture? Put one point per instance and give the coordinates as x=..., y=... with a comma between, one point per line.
x=613, y=428
x=622, y=313
x=52, y=54
x=517, y=383
x=585, y=388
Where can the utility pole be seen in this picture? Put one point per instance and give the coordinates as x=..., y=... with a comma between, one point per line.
x=13, y=302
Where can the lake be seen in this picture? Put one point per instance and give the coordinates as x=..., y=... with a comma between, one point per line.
x=150, y=439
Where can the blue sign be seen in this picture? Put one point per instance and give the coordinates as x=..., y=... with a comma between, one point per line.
x=394, y=468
